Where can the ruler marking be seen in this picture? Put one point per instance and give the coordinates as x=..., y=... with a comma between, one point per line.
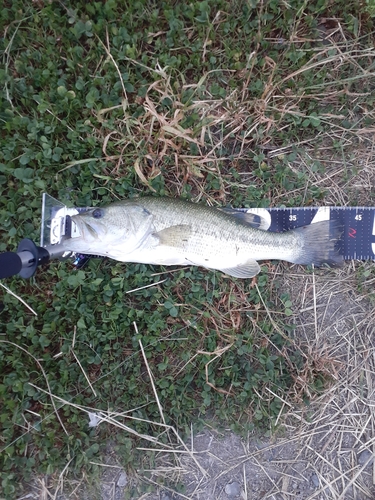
x=373, y=233
x=357, y=240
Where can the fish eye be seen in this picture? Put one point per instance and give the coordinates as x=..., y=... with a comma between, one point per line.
x=98, y=213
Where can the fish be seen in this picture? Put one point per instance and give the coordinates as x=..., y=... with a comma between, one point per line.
x=172, y=231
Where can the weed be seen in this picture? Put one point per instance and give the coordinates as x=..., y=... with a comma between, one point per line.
x=219, y=102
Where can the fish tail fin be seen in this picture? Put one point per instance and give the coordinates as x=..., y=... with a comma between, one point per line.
x=321, y=243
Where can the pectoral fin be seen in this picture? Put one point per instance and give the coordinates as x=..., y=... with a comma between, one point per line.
x=248, y=269
x=174, y=236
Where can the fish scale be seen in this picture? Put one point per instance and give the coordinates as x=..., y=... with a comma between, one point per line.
x=169, y=231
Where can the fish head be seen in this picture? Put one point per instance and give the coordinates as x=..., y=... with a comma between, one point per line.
x=115, y=229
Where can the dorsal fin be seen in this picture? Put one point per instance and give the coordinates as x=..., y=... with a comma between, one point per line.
x=252, y=220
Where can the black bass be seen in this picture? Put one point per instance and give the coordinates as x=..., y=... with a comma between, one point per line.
x=168, y=231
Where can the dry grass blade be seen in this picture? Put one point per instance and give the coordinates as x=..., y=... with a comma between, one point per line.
x=45, y=378
x=18, y=298
x=108, y=52
x=84, y=373
x=161, y=409
x=150, y=376
x=217, y=353
x=60, y=485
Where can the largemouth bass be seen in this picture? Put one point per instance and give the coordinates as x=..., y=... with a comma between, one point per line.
x=168, y=231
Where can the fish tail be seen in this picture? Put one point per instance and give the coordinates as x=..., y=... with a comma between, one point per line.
x=320, y=243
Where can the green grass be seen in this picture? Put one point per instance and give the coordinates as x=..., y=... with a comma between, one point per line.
x=215, y=101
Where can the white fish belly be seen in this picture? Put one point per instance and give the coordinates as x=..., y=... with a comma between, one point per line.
x=215, y=254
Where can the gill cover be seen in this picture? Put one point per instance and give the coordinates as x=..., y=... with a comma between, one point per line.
x=102, y=229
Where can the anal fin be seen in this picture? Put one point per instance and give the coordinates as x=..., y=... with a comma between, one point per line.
x=248, y=269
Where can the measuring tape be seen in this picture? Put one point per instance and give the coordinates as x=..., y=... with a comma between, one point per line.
x=358, y=225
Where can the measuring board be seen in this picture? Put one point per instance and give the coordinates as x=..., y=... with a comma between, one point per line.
x=358, y=225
